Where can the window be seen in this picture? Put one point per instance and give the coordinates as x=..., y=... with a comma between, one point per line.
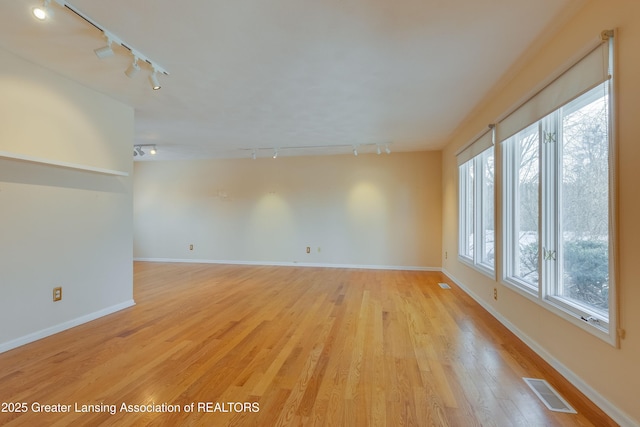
x=556, y=207
x=476, y=204
x=557, y=192
x=521, y=166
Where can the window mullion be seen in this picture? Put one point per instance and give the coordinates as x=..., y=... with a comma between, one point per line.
x=549, y=214
x=478, y=232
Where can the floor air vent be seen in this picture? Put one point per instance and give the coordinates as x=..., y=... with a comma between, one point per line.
x=444, y=286
x=549, y=396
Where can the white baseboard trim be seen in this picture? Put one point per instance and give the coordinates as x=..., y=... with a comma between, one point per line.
x=290, y=264
x=10, y=345
x=614, y=412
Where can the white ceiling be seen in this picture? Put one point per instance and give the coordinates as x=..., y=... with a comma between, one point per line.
x=248, y=74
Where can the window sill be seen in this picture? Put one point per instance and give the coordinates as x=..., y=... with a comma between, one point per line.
x=607, y=334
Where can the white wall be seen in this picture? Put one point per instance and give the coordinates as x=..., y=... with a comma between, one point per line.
x=61, y=226
x=369, y=210
x=607, y=374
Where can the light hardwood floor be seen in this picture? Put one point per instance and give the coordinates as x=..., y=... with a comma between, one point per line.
x=305, y=346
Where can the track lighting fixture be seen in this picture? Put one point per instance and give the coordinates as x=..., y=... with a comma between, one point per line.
x=44, y=11
x=133, y=69
x=153, y=78
x=138, y=150
x=356, y=149
x=105, y=51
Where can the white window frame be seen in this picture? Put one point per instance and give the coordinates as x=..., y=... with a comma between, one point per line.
x=471, y=253
x=511, y=229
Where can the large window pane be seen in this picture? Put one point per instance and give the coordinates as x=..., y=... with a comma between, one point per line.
x=466, y=209
x=584, y=198
x=521, y=201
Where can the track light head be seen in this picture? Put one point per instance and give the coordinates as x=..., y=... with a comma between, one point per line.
x=386, y=149
x=105, y=51
x=153, y=79
x=253, y=154
x=139, y=150
x=355, y=151
x=133, y=69
x=275, y=153
x=378, y=149
x=39, y=13
x=153, y=151
x=43, y=12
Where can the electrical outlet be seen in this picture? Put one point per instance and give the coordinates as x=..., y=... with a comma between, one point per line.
x=446, y=255
x=190, y=247
x=495, y=294
x=57, y=293
x=308, y=249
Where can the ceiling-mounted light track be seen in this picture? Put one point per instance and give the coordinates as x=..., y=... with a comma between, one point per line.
x=356, y=149
x=41, y=13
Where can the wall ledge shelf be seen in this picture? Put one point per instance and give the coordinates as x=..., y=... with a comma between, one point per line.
x=67, y=165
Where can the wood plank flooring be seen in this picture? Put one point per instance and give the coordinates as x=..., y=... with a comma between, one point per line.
x=281, y=346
